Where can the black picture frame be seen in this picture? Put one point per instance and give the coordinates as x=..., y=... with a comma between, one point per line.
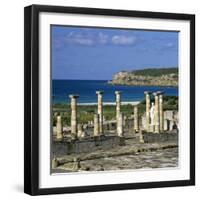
x=31, y=98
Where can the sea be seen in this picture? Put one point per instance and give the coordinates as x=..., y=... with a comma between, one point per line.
x=86, y=89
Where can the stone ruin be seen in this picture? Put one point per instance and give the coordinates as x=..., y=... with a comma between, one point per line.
x=154, y=120
x=154, y=126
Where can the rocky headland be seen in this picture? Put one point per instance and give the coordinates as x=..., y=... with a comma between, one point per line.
x=147, y=77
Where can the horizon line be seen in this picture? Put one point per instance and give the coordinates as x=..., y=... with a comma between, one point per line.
x=79, y=79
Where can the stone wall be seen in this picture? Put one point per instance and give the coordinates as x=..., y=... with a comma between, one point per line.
x=84, y=146
x=162, y=137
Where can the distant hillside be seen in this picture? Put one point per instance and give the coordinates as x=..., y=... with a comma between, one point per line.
x=148, y=77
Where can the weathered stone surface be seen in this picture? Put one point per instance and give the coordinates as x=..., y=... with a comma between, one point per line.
x=59, y=134
x=100, y=110
x=166, y=158
x=118, y=103
x=54, y=163
x=120, y=128
x=74, y=115
x=96, y=125
x=84, y=146
x=168, y=114
x=161, y=113
x=81, y=133
x=152, y=155
x=136, y=119
x=157, y=138
x=156, y=113
x=147, y=120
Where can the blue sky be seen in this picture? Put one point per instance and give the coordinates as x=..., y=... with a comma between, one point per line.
x=97, y=53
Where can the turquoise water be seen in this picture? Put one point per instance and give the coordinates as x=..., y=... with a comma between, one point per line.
x=86, y=89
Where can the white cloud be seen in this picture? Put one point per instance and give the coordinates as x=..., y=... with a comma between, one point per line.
x=102, y=38
x=123, y=40
x=79, y=39
x=86, y=39
x=83, y=41
x=99, y=38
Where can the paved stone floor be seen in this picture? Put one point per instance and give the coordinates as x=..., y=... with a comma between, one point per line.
x=164, y=158
x=156, y=159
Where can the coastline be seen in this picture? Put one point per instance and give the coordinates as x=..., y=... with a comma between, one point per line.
x=110, y=103
x=104, y=103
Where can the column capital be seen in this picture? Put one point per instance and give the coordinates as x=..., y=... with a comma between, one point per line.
x=155, y=93
x=160, y=92
x=118, y=92
x=73, y=96
x=147, y=92
x=99, y=92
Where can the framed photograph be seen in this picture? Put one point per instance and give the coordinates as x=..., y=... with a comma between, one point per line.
x=109, y=100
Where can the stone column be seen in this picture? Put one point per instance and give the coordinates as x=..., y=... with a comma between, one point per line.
x=141, y=138
x=161, y=113
x=59, y=134
x=156, y=113
x=100, y=110
x=96, y=125
x=118, y=103
x=54, y=163
x=120, y=130
x=74, y=115
x=147, y=110
x=166, y=125
x=136, y=122
x=80, y=131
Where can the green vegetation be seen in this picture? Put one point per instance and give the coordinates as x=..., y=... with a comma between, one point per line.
x=147, y=77
x=86, y=112
x=156, y=71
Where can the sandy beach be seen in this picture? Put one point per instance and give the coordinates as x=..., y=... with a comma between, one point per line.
x=110, y=103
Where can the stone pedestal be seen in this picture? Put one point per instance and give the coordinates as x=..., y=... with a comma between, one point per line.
x=77, y=164
x=120, y=131
x=136, y=121
x=54, y=163
x=59, y=134
x=100, y=110
x=147, y=93
x=96, y=125
x=81, y=133
x=156, y=113
x=74, y=115
x=118, y=103
x=141, y=138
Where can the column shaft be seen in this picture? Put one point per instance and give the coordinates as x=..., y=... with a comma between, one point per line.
x=96, y=125
x=147, y=111
x=80, y=130
x=161, y=113
x=120, y=130
x=156, y=114
x=136, y=122
x=59, y=128
x=118, y=103
x=74, y=115
x=100, y=110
